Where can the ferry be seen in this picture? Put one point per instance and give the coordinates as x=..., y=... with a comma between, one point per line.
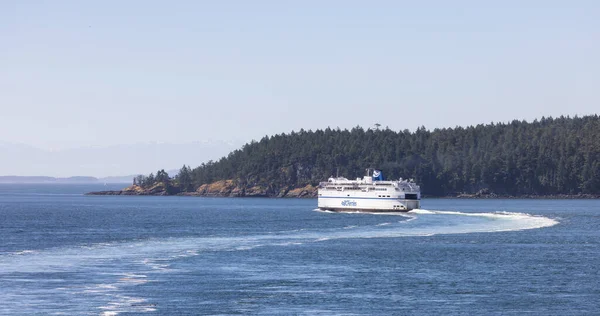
x=370, y=194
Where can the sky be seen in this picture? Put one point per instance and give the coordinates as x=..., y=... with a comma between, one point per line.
x=77, y=74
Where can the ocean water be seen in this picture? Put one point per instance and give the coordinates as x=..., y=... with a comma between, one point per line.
x=63, y=253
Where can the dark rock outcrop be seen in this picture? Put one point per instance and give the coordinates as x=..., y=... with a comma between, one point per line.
x=308, y=191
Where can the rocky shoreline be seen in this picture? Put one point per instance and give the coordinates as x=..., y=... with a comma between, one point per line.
x=223, y=188
x=228, y=188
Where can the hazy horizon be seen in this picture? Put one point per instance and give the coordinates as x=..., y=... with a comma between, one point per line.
x=79, y=76
x=107, y=161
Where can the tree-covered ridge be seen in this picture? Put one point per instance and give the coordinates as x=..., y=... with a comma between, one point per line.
x=545, y=157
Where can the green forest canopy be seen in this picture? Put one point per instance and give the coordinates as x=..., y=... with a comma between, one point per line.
x=546, y=156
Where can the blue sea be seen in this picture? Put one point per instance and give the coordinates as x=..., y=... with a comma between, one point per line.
x=63, y=253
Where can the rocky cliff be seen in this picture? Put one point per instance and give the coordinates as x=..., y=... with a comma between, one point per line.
x=222, y=188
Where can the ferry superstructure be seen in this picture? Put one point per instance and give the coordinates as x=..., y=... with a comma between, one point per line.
x=370, y=194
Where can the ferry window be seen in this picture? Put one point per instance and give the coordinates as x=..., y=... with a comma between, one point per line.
x=410, y=196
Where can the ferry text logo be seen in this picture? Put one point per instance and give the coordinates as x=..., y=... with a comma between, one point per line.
x=348, y=203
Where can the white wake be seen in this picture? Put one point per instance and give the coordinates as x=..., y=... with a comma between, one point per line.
x=497, y=221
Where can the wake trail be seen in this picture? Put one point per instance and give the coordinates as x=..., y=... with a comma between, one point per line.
x=418, y=222
x=116, y=266
x=499, y=221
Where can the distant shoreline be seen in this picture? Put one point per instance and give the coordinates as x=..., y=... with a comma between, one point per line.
x=65, y=183
x=307, y=196
x=520, y=197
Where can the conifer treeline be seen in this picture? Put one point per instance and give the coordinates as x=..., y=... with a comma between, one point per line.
x=547, y=156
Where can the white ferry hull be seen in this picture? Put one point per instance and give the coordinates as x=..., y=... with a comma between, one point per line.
x=341, y=204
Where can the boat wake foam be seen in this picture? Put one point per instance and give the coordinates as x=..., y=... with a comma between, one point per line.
x=502, y=221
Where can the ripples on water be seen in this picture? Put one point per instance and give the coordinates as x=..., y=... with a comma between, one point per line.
x=71, y=254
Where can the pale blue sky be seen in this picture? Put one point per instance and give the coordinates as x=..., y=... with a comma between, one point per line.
x=100, y=73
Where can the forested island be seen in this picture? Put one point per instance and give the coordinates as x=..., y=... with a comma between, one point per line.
x=549, y=157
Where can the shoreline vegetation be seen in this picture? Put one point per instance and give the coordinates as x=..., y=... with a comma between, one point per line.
x=311, y=192
x=547, y=158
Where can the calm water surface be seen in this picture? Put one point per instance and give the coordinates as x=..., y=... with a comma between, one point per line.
x=62, y=253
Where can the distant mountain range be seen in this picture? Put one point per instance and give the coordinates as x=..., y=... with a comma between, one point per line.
x=78, y=179
x=75, y=179
x=99, y=162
